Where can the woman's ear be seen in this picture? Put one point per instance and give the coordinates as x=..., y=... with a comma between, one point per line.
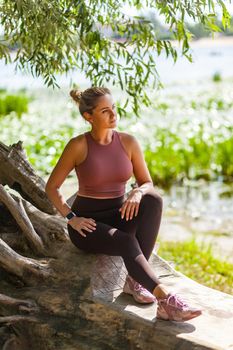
x=88, y=117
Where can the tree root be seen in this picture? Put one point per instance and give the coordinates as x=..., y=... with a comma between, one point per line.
x=28, y=306
x=9, y=320
x=17, y=173
x=19, y=214
x=26, y=269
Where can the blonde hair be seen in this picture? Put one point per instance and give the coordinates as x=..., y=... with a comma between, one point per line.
x=87, y=100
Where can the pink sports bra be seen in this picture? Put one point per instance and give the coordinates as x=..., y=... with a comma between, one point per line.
x=105, y=170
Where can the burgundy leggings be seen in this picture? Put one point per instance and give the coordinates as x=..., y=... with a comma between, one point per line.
x=133, y=240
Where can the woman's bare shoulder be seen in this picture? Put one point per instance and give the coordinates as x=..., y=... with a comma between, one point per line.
x=128, y=141
x=78, y=147
x=78, y=141
x=126, y=137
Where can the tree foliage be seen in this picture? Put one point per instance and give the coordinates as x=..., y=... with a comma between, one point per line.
x=57, y=36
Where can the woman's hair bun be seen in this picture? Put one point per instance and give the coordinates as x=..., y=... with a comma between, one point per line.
x=76, y=95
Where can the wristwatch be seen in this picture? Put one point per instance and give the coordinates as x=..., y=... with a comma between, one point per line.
x=70, y=215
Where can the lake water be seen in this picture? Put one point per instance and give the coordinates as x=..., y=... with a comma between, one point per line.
x=209, y=56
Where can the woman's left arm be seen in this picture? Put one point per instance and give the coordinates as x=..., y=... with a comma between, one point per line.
x=145, y=184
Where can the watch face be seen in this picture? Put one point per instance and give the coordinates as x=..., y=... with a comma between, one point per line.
x=70, y=215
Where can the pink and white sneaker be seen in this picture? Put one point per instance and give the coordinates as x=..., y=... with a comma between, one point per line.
x=175, y=309
x=139, y=293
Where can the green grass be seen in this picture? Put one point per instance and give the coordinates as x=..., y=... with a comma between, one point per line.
x=196, y=260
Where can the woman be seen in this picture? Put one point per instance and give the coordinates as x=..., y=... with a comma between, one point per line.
x=102, y=219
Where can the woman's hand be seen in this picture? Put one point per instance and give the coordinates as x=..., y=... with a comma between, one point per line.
x=80, y=223
x=131, y=205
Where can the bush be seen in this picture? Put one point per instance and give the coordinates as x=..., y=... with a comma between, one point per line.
x=13, y=103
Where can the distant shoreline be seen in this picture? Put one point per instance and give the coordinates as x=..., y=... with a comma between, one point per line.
x=209, y=42
x=216, y=42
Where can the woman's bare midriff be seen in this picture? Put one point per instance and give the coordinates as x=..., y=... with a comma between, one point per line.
x=81, y=195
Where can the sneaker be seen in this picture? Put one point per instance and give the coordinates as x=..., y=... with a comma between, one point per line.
x=139, y=293
x=175, y=309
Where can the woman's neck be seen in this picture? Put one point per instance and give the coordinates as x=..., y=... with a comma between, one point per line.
x=103, y=137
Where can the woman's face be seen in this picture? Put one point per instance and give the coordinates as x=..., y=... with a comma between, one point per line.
x=104, y=115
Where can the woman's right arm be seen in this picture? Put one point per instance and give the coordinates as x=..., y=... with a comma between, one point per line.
x=64, y=166
x=71, y=156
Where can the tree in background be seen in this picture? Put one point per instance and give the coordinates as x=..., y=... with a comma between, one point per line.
x=198, y=30
x=57, y=36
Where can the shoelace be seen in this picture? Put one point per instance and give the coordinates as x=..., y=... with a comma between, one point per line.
x=138, y=287
x=178, y=302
